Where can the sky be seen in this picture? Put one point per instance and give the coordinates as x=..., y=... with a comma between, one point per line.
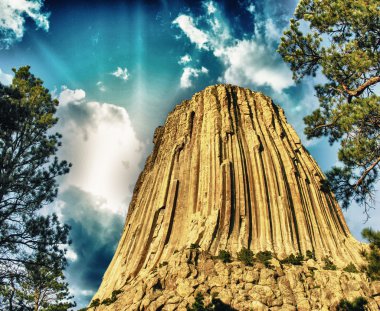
x=118, y=68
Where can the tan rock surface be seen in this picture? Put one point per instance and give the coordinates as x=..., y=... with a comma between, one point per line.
x=227, y=171
x=294, y=288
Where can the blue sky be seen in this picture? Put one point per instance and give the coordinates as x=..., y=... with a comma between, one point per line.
x=118, y=68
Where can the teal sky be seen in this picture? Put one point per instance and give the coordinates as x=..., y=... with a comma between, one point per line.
x=118, y=67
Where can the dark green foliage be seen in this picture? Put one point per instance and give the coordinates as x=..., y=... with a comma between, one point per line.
x=107, y=301
x=32, y=244
x=359, y=304
x=329, y=265
x=194, y=246
x=293, y=259
x=216, y=304
x=351, y=268
x=219, y=305
x=246, y=256
x=163, y=264
x=199, y=305
x=373, y=237
x=310, y=254
x=95, y=303
x=342, y=39
x=224, y=256
x=363, y=253
x=264, y=257
x=373, y=257
x=110, y=300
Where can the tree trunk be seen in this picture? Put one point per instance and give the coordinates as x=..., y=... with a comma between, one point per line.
x=36, y=300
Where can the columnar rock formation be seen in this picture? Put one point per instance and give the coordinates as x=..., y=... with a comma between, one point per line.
x=227, y=171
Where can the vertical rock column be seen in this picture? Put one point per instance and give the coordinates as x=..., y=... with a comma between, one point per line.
x=227, y=171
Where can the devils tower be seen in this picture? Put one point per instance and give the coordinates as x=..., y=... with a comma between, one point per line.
x=228, y=172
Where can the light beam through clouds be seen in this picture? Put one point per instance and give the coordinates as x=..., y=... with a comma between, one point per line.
x=101, y=143
x=103, y=147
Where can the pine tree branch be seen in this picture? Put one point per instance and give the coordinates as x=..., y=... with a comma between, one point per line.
x=366, y=172
x=361, y=88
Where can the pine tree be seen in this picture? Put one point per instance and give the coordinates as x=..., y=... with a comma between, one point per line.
x=342, y=38
x=29, y=168
x=373, y=257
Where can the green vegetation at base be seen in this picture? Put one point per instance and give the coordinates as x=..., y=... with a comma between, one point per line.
x=108, y=301
x=351, y=268
x=246, y=256
x=329, y=265
x=310, y=254
x=359, y=304
x=199, y=304
x=216, y=304
x=264, y=257
x=95, y=303
x=293, y=259
x=224, y=256
x=373, y=257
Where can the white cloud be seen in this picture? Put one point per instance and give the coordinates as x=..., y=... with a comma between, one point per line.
x=68, y=96
x=185, y=59
x=189, y=73
x=121, y=73
x=210, y=7
x=249, y=62
x=272, y=33
x=251, y=8
x=101, y=86
x=71, y=255
x=197, y=36
x=13, y=14
x=5, y=78
x=99, y=139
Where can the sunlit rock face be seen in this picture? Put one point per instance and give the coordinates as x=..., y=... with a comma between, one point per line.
x=226, y=172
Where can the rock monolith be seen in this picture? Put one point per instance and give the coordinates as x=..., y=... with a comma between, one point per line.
x=228, y=172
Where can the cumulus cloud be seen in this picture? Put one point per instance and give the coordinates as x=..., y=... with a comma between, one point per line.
x=185, y=59
x=69, y=96
x=121, y=73
x=197, y=36
x=189, y=73
x=249, y=61
x=98, y=140
x=13, y=14
x=5, y=78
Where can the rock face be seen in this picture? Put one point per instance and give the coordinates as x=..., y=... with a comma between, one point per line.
x=227, y=171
